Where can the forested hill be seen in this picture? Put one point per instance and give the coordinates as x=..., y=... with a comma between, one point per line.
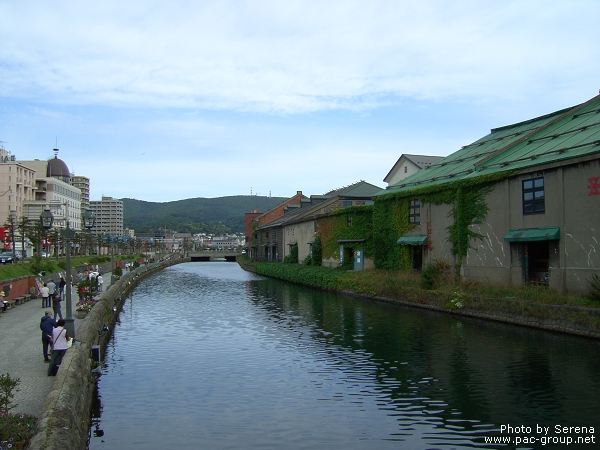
x=195, y=215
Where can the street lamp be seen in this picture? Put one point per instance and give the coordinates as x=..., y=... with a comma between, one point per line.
x=46, y=220
x=88, y=218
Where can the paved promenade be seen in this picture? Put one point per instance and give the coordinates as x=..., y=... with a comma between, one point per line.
x=21, y=352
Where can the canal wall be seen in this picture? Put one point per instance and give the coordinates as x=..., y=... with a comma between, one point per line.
x=65, y=418
x=574, y=320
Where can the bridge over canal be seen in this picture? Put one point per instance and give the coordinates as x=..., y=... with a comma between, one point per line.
x=215, y=256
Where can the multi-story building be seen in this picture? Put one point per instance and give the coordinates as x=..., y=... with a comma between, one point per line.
x=83, y=184
x=53, y=190
x=109, y=217
x=17, y=185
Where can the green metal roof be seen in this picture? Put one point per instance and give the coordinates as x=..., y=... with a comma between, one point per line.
x=413, y=239
x=564, y=134
x=533, y=234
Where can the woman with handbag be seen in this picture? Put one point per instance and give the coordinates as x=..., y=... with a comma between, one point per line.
x=60, y=344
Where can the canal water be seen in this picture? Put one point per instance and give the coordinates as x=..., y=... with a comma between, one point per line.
x=207, y=356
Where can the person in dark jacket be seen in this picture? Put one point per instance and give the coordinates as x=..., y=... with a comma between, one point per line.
x=47, y=325
x=61, y=286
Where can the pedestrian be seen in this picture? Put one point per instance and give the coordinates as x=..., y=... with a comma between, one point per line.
x=51, y=290
x=4, y=304
x=60, y=339
x=61, y=286
x=47, y=325
x=45, y=294
x=79, y=277
x=56, y=307
x=99, y=280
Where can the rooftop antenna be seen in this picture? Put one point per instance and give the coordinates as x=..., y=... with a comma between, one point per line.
x=250, y=190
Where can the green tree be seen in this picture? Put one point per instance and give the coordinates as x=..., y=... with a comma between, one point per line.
x=317, y=252
x=8, y=388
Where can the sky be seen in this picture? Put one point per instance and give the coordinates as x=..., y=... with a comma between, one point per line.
x=162, y=101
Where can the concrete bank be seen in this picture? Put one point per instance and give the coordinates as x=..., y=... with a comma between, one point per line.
x=64, y=420
x=574, y=320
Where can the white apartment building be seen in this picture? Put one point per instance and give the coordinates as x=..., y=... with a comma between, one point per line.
x=83, y=184
x=17, y=185
x=109, y=217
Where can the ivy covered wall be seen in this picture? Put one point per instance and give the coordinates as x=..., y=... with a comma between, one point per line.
x=468, y=207
x=335, y=227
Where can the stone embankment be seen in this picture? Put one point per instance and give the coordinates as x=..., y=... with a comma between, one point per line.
x=64, y=421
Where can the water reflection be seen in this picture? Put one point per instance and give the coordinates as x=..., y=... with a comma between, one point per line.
x=208, y=356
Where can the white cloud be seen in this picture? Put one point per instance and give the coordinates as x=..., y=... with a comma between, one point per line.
x=289, y=56
x=168, y=100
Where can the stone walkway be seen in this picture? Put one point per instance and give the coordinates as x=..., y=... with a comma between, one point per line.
x=21, y=353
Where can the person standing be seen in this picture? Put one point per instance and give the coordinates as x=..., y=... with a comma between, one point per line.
x=61, y=287
x=51, y=290
x=45, y=293
x=99, y=280
x=56, y=306
x=60, y=338
x=47, y=325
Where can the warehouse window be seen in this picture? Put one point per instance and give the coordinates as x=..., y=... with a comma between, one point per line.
x=534, y=196
x=414, y=212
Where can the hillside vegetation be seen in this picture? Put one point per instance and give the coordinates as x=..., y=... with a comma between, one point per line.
x=195, y=215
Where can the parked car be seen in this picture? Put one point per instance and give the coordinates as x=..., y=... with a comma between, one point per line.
x=9, y=257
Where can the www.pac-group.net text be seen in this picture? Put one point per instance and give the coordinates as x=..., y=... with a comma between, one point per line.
x=544, y=435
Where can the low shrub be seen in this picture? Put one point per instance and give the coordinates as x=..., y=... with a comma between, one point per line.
x=317, y=252
x=594, y=292
x=98, y=259
x=320, y=277
x=16, y=430
x=435, y=274
x=292, y=258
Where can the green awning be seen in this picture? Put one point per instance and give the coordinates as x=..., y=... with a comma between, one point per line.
x=413, y=239
x=533, y=234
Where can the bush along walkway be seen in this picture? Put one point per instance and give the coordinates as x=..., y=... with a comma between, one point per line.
x=389, y=287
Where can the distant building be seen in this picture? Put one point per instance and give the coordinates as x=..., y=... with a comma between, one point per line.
x=53, y=190
x=408, y=165
x=83, y=184
x=17, y=185
x=297, y=226
x=109, y=217
x=255, y=249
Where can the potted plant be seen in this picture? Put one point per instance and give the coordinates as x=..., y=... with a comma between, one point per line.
x=83, y=307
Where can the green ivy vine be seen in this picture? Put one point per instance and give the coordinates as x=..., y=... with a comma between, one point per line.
x=335, y=227
x=390, y=217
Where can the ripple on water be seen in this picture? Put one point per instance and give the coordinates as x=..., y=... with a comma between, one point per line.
x=208, y=356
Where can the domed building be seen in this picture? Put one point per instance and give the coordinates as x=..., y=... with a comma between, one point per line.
x=53, y=190
x=58, y=169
